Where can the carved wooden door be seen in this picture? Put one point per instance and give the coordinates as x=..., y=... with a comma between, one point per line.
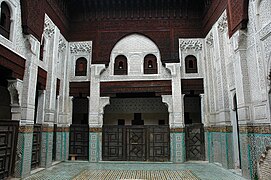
x=136, y=143
x=36, y=146
x=194, y=140
x=79, y=141
x=8, y=142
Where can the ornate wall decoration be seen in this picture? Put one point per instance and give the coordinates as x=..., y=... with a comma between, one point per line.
x=61, y=44
x=15, y=88
x=49, y=27
x=210, y=39
x=222, y=23
x=191, y=44
x=80, y=47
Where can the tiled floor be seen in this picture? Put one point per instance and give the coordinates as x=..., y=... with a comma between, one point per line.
x=132, y=170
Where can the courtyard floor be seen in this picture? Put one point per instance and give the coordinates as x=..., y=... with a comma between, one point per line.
x=131, y=170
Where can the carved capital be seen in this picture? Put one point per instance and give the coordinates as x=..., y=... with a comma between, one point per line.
x=239, y=40
x=31, y=44
x=190, y=44
x=98, y=69
x=104, y=101
x=167, y=99
x=80, y=47
x=172, y=68
x=15, y=88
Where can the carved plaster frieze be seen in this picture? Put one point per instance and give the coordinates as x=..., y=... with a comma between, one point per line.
x=210, y=39
x=15, y=88
x=191, y=44
x=61, y=44
x=222, y=23
x=80, y=47
x=49, y=27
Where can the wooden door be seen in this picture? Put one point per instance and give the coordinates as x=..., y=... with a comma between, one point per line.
x=8, y=142
x=136, y=143
x=79, y=141
x=194, y=140
x=36, y=146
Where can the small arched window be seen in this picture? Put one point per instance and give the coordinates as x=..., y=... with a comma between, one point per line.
x=150, y=64
x=5, y=20
x=81, y=67
x=191, y=64
x=120, y=67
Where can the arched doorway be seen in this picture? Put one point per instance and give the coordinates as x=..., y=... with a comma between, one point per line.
x=8, y=127
x=194, y=134
x=136, y=128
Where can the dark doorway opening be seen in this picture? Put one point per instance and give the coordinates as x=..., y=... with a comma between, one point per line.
x=79, y=130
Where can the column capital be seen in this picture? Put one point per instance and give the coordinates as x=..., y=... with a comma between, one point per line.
x=15, y=88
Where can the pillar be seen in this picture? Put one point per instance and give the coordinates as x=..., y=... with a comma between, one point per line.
x=27, y=103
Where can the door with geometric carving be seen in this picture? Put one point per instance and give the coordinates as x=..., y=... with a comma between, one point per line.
x=136, y=143
x=8, y=142
x=194, y=141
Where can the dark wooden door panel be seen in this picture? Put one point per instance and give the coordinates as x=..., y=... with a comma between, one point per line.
x=113, y=143
x=36, y=146
x=79, y=141
x=8, y=141
x=159, y=143
x=194, y=142
x=136, y=143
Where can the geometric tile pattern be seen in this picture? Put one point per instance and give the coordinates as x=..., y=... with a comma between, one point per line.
x=47, y=147
x=62, y=146
x=220, y=148
x=135, y=174
x=94, y=146
x=23, y=155
x=177, y=146
x=71, y=170
x=257, y=145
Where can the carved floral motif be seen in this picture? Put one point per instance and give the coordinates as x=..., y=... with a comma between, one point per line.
x=222, y=23
x=49, y=27
x=191, y=44
x=80, y=47
x=61, y=45
x=210, y=39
